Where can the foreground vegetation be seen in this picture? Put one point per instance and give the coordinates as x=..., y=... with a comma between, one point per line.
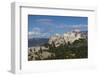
x=77, y=49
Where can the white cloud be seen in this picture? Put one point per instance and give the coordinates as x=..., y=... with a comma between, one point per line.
x=45, y=34
x=45, y=21
x=33, y=34
x=79, y=26
x=62, y=26
x=41, y=20
x=36, y=32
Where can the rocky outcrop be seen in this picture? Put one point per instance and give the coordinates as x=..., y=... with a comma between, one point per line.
x=58, y=39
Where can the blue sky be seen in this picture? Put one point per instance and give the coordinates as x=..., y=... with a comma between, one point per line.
x=42, y=26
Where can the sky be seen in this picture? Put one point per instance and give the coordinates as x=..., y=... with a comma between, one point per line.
x=43, y=26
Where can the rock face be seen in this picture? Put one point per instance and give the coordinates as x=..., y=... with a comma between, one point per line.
x=65, y=38
x=41, y=52
x=71, y=36
x=35, y=54
x=57, y=40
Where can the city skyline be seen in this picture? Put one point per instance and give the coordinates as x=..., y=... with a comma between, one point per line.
x=43, y=26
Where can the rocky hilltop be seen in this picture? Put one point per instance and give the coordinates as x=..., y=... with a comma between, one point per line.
x=66, y=46
x=68, y=37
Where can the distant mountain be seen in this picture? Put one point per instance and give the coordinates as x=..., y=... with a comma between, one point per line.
x=37, y=41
